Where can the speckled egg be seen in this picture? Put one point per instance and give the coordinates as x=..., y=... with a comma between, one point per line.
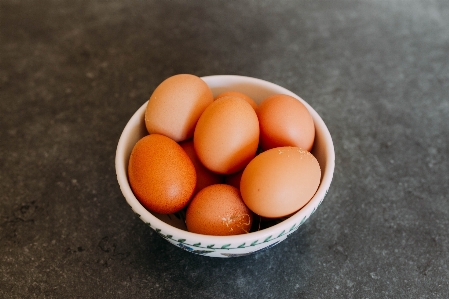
x=218, y=210
x=280, y=181
x=161, y=175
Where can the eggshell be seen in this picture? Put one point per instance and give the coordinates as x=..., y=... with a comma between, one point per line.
x=218, y=210
x=176, y=105
x=285, y=121
x=238, y=95
x=226, y=136
x=204, y=176
x=161, y=175
x=280, y=181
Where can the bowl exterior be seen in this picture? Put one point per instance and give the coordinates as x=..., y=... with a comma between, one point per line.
x=172, y=227
x=214, y=246
x=225, y=250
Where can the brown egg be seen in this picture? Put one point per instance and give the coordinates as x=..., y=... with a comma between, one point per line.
x=161, y=174
x=204, y=177
x=238, y=95
x=176, y=105
x=218, y=210
x=227, y=135
x=280, y=181
x=285, y=121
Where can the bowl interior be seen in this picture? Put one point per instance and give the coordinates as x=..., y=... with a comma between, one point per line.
x=257, y=89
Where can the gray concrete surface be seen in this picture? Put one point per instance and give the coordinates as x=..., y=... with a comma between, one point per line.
x=73, y=72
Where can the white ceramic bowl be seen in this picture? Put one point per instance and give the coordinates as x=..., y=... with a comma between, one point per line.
x=172, y=227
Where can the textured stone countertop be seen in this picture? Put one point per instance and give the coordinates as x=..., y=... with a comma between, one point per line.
x=73, y=72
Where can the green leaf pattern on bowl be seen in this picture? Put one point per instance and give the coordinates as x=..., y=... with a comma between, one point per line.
x=186, y=245
x=185, y=242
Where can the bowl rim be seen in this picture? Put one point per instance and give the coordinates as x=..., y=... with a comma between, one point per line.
x=290, y=222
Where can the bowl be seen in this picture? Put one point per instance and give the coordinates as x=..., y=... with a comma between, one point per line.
x=172, y=227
